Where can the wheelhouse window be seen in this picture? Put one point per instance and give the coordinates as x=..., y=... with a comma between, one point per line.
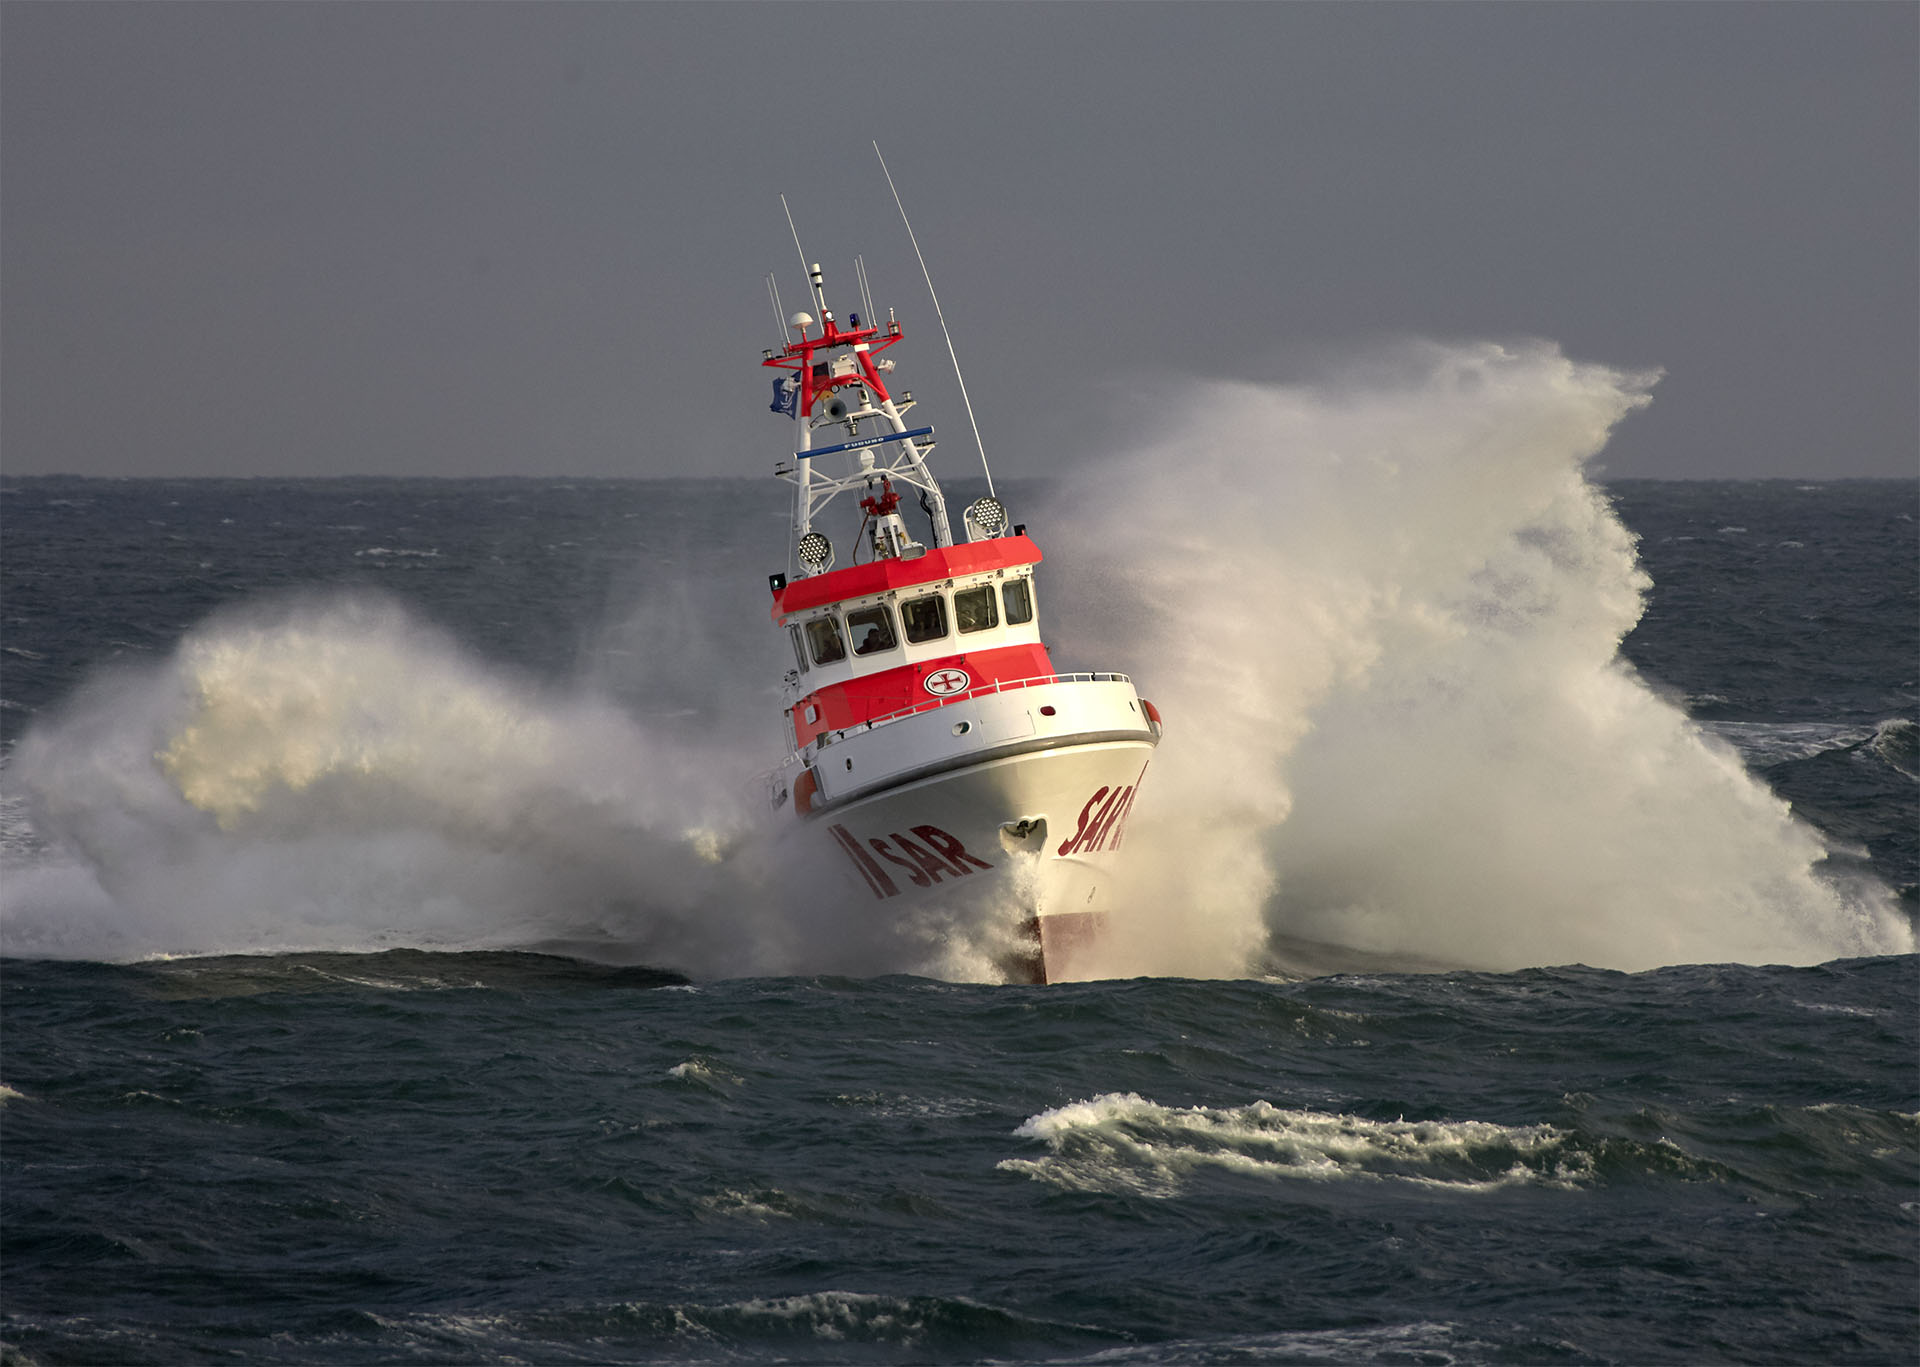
x=924, y=618
x=1018, y=594
x=871, y=630
x=823, y=639
x=799, y=650
x=975, y=610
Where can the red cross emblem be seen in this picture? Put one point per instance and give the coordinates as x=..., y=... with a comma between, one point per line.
x=943, y=682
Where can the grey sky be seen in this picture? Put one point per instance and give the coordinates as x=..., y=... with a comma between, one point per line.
x=308, y=239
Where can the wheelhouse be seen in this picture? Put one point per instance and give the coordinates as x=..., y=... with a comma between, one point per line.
x=875, y=639
x=927, y=621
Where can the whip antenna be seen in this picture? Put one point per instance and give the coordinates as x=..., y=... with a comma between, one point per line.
x=866, y=290
x=796, y=247
x=928, y=276
x=779, y=318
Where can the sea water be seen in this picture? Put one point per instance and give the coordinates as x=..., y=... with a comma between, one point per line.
x=1518, y=967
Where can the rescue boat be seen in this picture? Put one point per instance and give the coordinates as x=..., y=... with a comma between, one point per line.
x=935, y=750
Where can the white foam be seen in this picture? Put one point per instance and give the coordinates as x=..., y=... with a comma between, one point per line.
x=1436, y=1344
x=1123, y=1142
x=835, y=1316
x=335, y=774
x=699, y=1070
x=1841, y=1009
x=751, y=1205
x=1381, y=614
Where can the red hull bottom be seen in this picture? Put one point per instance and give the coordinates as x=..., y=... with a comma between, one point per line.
x=1058, y=948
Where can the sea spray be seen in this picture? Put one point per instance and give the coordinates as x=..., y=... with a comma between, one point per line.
x=328, y=771
x=1381, y=615
x=332, y=772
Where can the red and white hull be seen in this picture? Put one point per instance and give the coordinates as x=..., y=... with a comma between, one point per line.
x=1007, y=805
x=1030, y=840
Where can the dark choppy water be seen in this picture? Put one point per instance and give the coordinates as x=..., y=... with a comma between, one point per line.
x=504, y=1156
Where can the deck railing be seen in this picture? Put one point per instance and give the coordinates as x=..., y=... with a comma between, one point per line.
x=997, y=686
x=776, y=780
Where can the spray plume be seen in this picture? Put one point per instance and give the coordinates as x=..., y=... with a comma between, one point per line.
x=1380, y=613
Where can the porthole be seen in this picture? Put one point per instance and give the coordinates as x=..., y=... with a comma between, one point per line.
x=960, y=728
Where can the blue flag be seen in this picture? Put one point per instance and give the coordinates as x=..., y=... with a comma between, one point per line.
x=786, y=396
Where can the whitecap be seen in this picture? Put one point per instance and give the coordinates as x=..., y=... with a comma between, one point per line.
x=1897, y=741
x=698, y=1070
x=1767, y=743
x=1123, y=1142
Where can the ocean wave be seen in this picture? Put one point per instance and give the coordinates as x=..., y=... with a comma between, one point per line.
x=703, y=1073
x=765, y=1204
x=812, y=1327
x=1417, y=734
x=1124, y=1143
x=1897, y=741
x=1764, y=744
x=1431, y=1344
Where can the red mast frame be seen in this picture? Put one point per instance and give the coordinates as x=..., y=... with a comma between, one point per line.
x=817, y=379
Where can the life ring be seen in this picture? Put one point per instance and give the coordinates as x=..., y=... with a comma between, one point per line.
x=804, y=789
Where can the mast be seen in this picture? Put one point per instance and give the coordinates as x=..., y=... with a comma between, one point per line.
x=834, y=378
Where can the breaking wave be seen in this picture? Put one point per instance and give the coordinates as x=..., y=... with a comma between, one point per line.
x=333, y=774
x=1380, y=612
x=1126, y=1143
x=1898, y=743
x=1382, y=616
x=318, y=774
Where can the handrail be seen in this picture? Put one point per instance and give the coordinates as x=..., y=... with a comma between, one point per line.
x=997, y=686
x=772, y=778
